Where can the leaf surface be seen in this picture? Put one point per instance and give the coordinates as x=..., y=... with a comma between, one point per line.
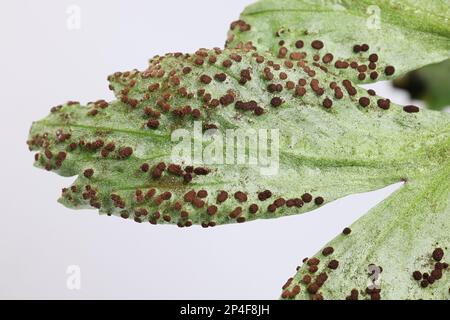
x=400, y=236
x=405, y=35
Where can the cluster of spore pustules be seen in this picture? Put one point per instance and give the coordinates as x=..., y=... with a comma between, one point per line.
x=315, y=272
x=428, y=278
x=178, y=89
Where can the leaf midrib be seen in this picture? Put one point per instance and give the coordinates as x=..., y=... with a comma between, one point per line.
x=106, y=129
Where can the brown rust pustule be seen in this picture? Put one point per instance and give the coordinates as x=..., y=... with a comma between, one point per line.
x=411, y=109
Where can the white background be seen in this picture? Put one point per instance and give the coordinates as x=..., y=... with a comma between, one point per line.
x=42, y=64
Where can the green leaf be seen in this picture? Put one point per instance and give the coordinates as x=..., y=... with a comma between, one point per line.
x=332, y=142
x=400, y=236
x=404, y=34
x=430, y=83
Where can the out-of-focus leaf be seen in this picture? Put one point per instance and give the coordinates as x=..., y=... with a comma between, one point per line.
x=430, y=83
